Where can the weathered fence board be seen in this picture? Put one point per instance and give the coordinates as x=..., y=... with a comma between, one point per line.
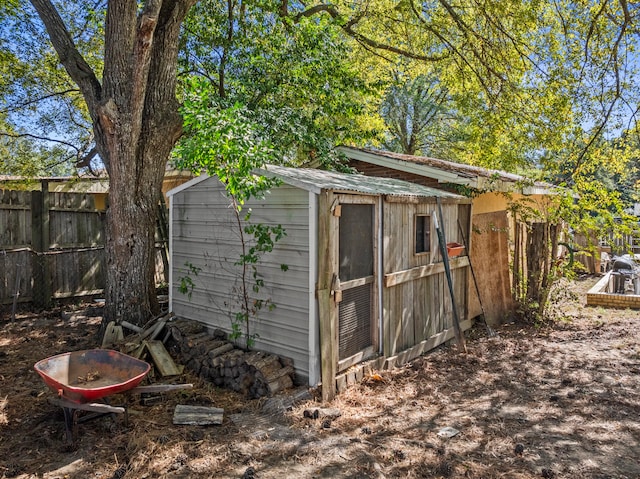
x=52, y=246
x=15, y=219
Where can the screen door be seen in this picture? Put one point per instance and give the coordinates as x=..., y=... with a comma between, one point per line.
x=356, y=273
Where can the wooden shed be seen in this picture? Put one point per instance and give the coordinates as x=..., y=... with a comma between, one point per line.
x=495, y=228
x=364, y=279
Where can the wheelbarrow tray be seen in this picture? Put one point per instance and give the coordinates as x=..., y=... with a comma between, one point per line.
x=86, y=376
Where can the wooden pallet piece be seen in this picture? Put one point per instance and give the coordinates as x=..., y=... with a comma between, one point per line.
x=113, y=334
x=163, y=361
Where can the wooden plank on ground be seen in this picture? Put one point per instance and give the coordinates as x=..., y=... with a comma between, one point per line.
x=131, y=327
x=159, y=388
x=158, y=329
x=113, y=334
x=136, y=350
x=197, y=415
x=161, y=358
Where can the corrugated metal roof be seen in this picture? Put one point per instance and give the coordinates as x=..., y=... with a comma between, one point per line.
x=317, y=180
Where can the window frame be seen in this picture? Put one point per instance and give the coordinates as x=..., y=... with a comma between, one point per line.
x=426, y=234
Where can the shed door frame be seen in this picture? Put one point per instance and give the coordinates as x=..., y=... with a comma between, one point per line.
x=372, y=279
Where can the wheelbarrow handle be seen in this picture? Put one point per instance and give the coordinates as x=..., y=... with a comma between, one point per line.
x=87, y=406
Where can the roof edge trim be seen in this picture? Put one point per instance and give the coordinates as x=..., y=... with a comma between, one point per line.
x=188, y=184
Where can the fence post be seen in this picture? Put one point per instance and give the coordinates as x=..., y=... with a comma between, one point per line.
x=40, y=244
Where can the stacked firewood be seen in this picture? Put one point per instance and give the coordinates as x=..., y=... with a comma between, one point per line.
x=214, y=358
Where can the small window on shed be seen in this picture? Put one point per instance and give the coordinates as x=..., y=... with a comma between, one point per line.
x=423, y=234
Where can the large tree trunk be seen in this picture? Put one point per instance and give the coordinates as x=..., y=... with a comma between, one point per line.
x=138, y=149
x=130, y=248
x=136, y=124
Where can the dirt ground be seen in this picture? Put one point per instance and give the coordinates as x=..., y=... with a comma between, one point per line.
x=555, y=401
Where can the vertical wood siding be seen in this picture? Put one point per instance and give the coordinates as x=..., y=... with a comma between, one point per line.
x=490, y=253
x=416, y=310
x=205, y=234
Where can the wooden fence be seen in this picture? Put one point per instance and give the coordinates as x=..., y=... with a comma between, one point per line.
x=52, y=246
x=621, y=244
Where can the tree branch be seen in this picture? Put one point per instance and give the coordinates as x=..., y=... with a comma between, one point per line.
x=592, y=28
x=348, y=28
x=96, y=6
x=613, y=59
x=25, y=104
x=466, y=31
x=519, y=46
x=73, y=62
x=457, y=52
x=85, y=161
x=146, y=25
x=43, y=138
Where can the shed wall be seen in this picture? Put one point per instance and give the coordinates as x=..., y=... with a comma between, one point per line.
x=491, y=253
x=205, y=234
x=416, y=299
x=493, y=201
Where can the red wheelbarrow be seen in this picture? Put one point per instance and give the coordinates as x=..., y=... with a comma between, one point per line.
x=81, y=377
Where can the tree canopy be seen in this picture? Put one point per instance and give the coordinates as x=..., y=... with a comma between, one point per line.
x=528, y=79
x=294, y=77
x=42, y=107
